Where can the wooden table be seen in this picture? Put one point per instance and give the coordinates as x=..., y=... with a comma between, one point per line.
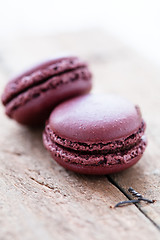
x=41, y=200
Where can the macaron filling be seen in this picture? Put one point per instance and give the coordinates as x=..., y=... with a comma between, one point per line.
x=97, y=154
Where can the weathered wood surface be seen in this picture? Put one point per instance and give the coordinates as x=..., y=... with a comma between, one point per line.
x=41, y=200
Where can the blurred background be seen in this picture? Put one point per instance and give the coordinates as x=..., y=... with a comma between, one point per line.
x=136, y=23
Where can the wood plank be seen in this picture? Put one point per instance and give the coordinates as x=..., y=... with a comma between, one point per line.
x=41, y=200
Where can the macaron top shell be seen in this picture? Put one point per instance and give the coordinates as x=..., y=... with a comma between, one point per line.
x=95, y=118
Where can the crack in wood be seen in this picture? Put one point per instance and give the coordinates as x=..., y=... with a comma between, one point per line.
x=112, y=181
x=42, y=183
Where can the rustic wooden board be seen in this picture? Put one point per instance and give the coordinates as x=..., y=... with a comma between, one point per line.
x=41, y=200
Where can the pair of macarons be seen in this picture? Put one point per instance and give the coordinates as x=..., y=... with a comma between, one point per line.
x=85, y=133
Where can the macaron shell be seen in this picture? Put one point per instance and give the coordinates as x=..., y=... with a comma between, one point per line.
x=121, y=143
x=95, y=170
x=95, y=118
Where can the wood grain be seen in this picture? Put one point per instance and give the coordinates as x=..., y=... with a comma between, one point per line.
x=41, y=200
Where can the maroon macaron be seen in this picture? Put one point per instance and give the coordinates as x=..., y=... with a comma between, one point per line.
x=31, y=96
x=96, y=134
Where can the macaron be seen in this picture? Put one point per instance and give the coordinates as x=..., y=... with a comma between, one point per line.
x=31, y=96
x=96, y=134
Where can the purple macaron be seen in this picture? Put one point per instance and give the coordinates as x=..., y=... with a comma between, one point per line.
x=31, y=96
x=96, y=134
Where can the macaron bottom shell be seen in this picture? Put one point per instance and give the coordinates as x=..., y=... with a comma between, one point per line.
x=95, y=170
x=96, y=162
